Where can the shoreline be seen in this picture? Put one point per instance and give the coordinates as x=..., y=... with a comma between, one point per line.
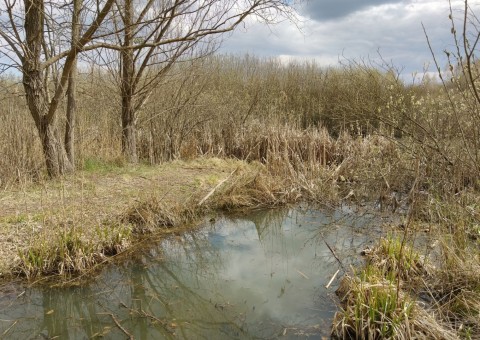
x=94, y=211
x=63, y=229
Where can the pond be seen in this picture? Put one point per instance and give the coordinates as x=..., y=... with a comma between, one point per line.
x=263, y=275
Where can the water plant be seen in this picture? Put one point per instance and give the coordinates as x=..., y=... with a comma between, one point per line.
x=374, y=309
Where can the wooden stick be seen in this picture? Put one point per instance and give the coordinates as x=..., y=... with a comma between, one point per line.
x=334, y=255
x=130, y=336
x=161, y=322
x=216, y=187
x=9, y=328
x=333, y=278
x=305, y=276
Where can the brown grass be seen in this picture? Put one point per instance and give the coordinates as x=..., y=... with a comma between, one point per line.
x=88, y=210
x=69, y=225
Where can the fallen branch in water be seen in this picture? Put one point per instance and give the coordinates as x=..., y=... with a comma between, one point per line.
x=305, y=276
x=335, y=255
x=333, y=278
x=130, y=336
x=163, y=323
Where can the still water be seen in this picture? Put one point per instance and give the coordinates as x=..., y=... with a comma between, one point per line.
x=257, y=276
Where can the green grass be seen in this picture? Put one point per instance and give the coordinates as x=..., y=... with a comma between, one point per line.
x=100, y=165
x=373, y=307
x=72, y=253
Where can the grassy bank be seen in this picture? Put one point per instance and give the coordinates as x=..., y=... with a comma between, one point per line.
x=403, y=294
x=66, y=228
x=69, y=225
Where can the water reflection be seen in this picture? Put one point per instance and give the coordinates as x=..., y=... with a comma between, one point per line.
x=259, y=276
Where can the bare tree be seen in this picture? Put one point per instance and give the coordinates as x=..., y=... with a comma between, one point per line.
x=463, y=64
x=26, y=29
x=154, y=35
x=42, y=40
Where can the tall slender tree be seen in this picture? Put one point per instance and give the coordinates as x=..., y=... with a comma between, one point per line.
x=72, y=86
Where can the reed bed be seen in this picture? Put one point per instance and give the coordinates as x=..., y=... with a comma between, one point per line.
x=224, y=106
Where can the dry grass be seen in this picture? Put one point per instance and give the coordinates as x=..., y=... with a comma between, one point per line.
x=400, y=295
x=221, y=107
x=81, y=216
x=66, y=226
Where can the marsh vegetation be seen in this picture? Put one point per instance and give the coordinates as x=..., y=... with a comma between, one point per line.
x=221, y=133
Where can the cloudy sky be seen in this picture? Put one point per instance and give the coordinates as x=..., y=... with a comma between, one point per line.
x=337, y=29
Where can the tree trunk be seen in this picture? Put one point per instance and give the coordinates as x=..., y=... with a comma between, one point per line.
x=129, y=141
x=129, y=138
x=71, y=89
x=55, y=157
x=71, y=113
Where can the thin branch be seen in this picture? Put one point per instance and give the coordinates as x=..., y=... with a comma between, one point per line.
x=130, y=336
x=85, y=39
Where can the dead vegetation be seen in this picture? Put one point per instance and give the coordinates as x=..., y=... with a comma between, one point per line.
x=84, y=218
x=245, y=133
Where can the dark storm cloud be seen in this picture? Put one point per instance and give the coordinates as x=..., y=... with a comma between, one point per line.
x=322, y=10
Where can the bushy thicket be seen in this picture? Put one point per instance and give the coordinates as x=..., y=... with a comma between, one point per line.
x=241, y=106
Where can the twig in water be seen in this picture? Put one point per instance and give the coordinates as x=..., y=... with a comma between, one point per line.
x=161, y=322
x=9, y=328
x=333, y=278
x=334, y=255
x=305, y=276
x=130, y=336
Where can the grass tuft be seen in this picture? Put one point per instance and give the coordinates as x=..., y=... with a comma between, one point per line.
x=396, y=295
x=374, y=309
x=71, y=253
